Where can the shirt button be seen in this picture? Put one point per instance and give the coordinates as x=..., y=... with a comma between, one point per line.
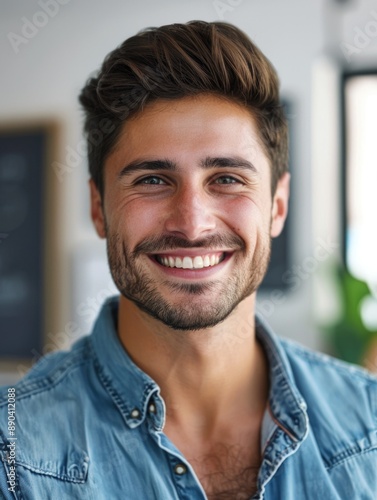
x=180, y=469
x=152, y=408
x=135, y=413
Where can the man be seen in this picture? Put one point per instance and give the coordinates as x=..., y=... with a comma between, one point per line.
x=180, y=392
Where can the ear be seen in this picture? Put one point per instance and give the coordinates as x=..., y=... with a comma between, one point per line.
x=96, y=210
x=280, y=205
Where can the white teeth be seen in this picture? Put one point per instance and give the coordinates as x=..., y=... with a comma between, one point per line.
x=198, y=262
x=187, y=263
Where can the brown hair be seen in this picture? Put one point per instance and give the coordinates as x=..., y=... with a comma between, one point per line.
x=179, y=60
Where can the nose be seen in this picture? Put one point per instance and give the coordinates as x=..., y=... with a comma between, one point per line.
x=191, y=214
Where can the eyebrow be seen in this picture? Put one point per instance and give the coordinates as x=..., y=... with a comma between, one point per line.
x=138, y=165
x=228, y=161
x=207, y=163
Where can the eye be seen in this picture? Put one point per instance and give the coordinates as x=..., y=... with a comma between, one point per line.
x=227, y=179
x=151, y=180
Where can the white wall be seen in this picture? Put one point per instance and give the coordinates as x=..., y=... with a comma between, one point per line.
x=44, y=78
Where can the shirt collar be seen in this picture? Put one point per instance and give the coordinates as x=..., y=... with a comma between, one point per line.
x=286, y=405
x=131, y=388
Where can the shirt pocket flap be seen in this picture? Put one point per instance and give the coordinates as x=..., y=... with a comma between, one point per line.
x=72, y=465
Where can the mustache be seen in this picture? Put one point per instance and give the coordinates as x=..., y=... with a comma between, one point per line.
x=170, y=242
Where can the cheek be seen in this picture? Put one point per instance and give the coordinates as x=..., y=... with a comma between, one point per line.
x=243, y=216
x=134, y=219
x=248, y=219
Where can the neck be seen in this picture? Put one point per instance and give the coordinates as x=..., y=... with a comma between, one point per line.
x=209, y=375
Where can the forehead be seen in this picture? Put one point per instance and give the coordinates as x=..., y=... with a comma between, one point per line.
x=188, y=127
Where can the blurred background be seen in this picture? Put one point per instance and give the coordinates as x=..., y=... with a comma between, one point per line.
x=321, y=289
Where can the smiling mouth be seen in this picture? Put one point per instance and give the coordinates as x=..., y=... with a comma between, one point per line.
x=187, y=262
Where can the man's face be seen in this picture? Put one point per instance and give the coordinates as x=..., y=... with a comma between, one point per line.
x=187, y=210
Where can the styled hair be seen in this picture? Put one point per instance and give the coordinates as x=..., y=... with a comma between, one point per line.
x=175, y=61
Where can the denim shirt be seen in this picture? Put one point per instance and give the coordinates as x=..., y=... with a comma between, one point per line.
x=89, y=425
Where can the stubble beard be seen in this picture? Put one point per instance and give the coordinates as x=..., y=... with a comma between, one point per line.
x=202, y=305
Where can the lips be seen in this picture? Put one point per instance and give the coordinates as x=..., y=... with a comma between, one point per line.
x=191, y=262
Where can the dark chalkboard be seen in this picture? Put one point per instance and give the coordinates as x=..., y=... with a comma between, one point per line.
x=22, y=194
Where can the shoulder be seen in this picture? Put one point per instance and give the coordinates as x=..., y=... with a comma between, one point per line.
x=53, y=380
x=50, y=370
x=320, y=375
x=324, y=369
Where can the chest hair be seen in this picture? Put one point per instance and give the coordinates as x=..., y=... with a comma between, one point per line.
x=227, y=472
